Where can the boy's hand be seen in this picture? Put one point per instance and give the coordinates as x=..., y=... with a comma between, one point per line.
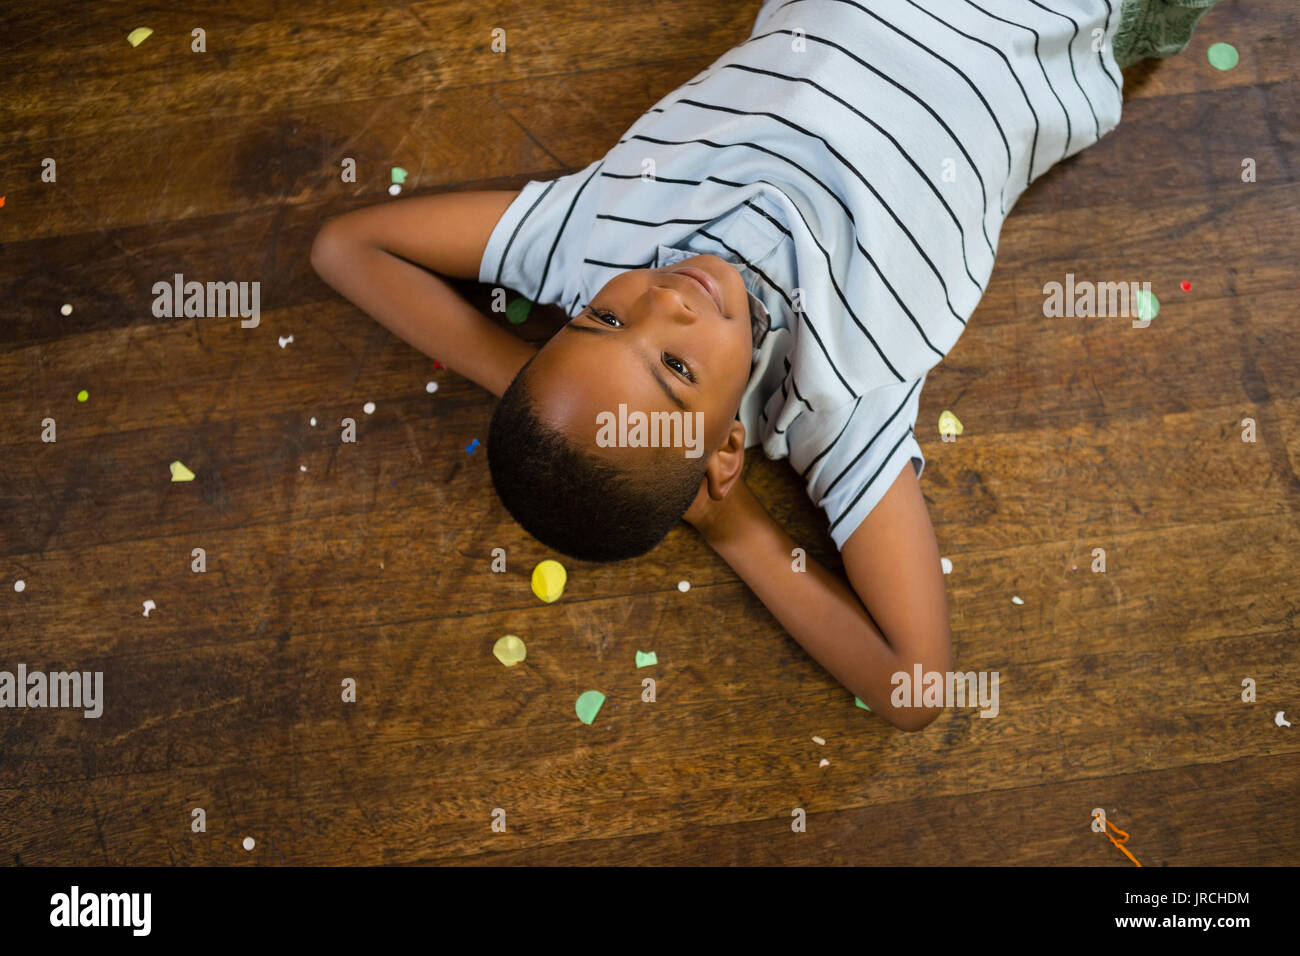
x=705, y=514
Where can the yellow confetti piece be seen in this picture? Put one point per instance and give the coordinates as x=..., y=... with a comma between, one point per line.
x=180, y=472
x=138, y=35
x=509, y=650
x=548, y=580
x=949, y=424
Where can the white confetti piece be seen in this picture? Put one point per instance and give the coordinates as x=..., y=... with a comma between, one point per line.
x=368, y=408
x=313, y=422
x=431, y=387
x=302, y=467
x=149, y=606
x=1016, y=600
x=824, y=763
x=683, y=586
x=818, y=740
x=394, y=189
x=285, y=340
x=946, y=565
x=1280, y=719
x=249, y=843
x=20, y=585
x=67, y=309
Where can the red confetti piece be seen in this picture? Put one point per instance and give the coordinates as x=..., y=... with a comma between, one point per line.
x=2, y=200
x=1187, y=286
x=437, y=365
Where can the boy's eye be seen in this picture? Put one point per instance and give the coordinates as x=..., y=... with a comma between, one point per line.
x=601, y=314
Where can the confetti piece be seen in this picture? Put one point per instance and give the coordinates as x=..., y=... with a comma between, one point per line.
x=949, y=423
x=285, y=340
x=1148, y=306
x=20, y=585
x=1222, y=56
x=249, y=843
x=302, y=467
x=83, y=395
x=138, y=35
x=149, y=606
x=859, y=702
x=471, y=446
x=313, y=421
x=510, y=650
x=180, y=472
x=1120, y=843
x=818, y=740
x=368, y=408
x=517, y=311
x=824, y=763
x=946, y=565
x=1280, y=719
x=438, y=365
x=588, y=705
x=2, y=200
x=430, y=387
x=394, y=189
x=1186, y=286
x=549, y=578
x=399, y=175
x=66, y=309
x=1016, y=600
x=646, y=660
x=683, y=586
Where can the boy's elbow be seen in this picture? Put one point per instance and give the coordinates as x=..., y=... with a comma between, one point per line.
x=327, y=249
x=917, y=718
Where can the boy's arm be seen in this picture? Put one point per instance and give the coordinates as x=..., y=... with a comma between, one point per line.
x=378, y=256
x=892, y=561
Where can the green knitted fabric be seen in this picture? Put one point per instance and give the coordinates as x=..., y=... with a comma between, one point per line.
x=1156, y=28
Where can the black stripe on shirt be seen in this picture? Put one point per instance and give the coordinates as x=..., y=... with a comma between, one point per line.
x=1066, y=113
x=1069, y=51
x=974, y=89
x=867, y=446
x=870, y=481
x=1033, y=148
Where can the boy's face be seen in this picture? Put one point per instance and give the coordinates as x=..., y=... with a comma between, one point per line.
x=646, y=333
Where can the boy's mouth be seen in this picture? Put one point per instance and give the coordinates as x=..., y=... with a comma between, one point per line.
x=709, y=284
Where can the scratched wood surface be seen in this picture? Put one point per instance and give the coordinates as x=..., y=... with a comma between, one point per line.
x=1118, y=690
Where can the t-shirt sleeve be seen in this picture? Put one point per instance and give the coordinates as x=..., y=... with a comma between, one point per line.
x=538, y=246
x=875, y=442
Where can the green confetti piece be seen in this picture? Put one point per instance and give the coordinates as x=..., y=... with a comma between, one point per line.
x=646, y=660
x=138, y=35
x=83, y=395
x=588, y=705
x=1147, y=305
x=399, y=175
x=860, y=704
x=517, y=311
x=1222, y=56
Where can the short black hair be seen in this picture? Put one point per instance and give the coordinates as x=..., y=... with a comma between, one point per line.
x=571, y=499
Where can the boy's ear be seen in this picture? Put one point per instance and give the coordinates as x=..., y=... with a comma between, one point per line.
x=727, y=463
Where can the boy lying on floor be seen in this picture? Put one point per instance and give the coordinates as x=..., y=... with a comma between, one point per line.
x=779, y=250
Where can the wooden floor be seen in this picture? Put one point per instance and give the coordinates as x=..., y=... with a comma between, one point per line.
x=371, y=561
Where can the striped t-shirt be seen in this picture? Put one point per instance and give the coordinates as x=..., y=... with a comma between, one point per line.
x=854, y=159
